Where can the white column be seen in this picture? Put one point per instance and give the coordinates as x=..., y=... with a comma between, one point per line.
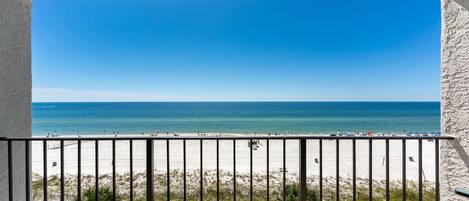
x=15, y=89
x=455, y=97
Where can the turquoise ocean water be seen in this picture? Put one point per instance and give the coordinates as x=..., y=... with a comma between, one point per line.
x=234, y=117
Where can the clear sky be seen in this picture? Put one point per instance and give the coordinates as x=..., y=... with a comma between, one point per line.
x=236, y=50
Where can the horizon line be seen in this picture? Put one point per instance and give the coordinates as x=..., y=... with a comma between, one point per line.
x=250, y=101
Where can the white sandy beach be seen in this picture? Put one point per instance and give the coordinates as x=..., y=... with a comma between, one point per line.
x=242, y=157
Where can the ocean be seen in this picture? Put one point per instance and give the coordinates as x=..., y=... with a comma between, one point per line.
x=233, y=117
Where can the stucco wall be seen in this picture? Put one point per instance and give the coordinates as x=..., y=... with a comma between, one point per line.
x=15, y=87
x=455, y=96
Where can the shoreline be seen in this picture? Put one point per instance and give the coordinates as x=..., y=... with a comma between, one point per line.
x=212, y=134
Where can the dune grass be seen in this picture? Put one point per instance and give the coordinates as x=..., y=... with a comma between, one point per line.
x=225, y=190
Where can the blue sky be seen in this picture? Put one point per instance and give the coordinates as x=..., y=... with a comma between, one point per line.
x=236, y=50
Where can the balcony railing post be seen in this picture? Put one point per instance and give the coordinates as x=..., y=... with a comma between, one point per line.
x=27, y=174
x=150, y=169
x=302, y=165
x=437, y=170
x=10, y=171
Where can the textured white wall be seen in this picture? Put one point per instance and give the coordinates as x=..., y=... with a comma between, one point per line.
x=15, y=87
x=455, y=96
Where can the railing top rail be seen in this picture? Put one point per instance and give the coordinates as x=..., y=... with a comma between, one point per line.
x=462, y=192
x=240, y=137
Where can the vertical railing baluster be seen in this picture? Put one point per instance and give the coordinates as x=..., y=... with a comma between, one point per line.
x=250, y=170
x=218, y=169
x=62, y=174
x=79, y=171
x=284, y=170
x=131, y=171
x=370, y=170
x=184, y=169
x=27, y=170
x=387, y=171
x=149, y=169
x=337, y=174
x=10, y=171
x=303, y=170
x=168, y=179
x=96, y=164
x=201, y=171
x=44, y=159
x=114, y=190
x=404, y=171
x=437, y=169
x=234, y=170
x=420, y=171
x=268, y=168
x=354, y=169
x=320, y=169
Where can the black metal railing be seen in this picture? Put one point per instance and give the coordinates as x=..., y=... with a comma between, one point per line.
x=462, y=192
x=150, y=153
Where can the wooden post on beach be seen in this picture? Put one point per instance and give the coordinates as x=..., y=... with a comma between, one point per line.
x=302, y=183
